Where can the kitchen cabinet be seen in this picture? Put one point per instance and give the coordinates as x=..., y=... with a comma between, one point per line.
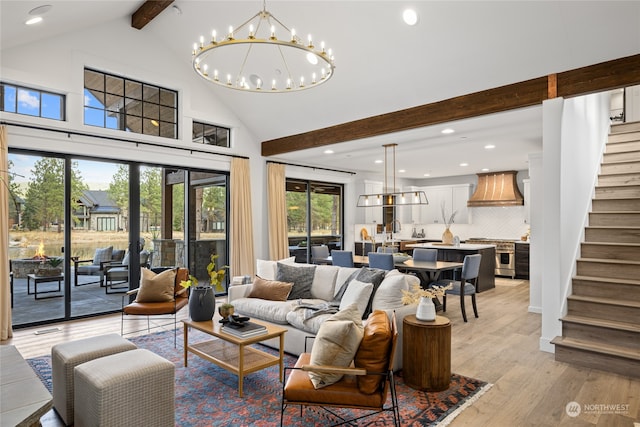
x=522, y=260
x=452, y=197
x=373, y=214
x=486, y=275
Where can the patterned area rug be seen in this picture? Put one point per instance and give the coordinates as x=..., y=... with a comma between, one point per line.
x=207, y=395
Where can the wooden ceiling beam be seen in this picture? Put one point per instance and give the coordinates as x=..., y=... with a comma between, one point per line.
x=599, y=77
x=147, y=12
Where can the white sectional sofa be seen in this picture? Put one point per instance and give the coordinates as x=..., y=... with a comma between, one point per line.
x=327, y=282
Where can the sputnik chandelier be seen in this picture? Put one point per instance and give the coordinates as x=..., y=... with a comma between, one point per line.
x=263, y=55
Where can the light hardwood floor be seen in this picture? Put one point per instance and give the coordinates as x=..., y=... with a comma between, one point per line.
x=500, y=347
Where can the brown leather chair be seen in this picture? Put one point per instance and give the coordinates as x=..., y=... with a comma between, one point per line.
x=164, y=310
x=346, y=393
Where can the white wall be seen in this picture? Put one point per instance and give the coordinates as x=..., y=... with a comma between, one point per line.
x=574, y=134
x=57, y=64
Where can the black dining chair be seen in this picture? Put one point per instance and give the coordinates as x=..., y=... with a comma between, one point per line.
x=342, y=258
x=381, y=261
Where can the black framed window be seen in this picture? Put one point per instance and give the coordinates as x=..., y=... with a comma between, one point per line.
x=315, y=212
x=116, y=102
x=204, y=133
x=32, y=102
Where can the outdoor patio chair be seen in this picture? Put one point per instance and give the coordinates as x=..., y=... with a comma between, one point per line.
x=365, y=386
x=101, y=258
x=116, y=275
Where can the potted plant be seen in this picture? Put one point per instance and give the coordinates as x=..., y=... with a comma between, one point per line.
x=202, y=301
x=424, y=297
x=50, y=267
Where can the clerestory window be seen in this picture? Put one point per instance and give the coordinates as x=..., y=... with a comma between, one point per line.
x=31, y=102
x=116, y=102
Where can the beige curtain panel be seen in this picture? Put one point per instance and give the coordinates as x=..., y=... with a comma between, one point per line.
x=277, y=211
x=242, y=254
x=5, y=294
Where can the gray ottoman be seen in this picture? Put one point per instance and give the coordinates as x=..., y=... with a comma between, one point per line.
x=134, y=388
x=66, y=356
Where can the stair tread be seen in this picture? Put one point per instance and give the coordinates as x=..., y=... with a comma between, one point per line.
x=619, y=244
x=597, y=347
x=602, y=300
x=609, y=279
x=610, y=261
x=612, y=324
x=614, y=227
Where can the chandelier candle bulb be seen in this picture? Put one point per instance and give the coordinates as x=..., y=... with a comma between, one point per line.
x=228, y=79
x=215, y=75
x=259, y=84
x=302, y=81
x=205, y=69
x=293, y=35
x=230, y=37
x=201, y=42
x=313, y=78
x=213, y=36
x=273, y=32
x=273, y=84
x=310, y=42
x=251, y=31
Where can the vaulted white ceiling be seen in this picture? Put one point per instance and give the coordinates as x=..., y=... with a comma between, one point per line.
x=383, y=65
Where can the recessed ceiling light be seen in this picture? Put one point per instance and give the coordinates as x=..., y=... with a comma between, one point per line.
x=485, y=169
x=427, y=174
x=378, y=161
x=447, y=131
x=34, y=20
x=489, y=147
x=402, y=170
x=312, y=58
x=155, y=123
x=410, y=17
x=464, y=164
x=328, y=151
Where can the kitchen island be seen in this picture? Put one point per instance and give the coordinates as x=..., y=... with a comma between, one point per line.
x=486, y=277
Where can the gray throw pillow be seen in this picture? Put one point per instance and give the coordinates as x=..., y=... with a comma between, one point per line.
x=102, y=255
x=370, y=275
x=301, y=277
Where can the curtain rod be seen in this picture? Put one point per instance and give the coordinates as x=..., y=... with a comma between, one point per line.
x=311, y=167
x=114, y=138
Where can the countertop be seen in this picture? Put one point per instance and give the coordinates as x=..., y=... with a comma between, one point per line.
x=462, y=247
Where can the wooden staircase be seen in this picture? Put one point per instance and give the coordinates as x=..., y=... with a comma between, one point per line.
x=602, y=327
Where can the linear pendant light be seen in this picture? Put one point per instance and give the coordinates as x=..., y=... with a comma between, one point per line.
x=390, y=197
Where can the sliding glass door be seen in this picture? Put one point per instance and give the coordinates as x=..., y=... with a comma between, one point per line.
x=314, y=216
x=81, y=228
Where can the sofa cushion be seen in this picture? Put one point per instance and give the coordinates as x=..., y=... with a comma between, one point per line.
x=301, y=277
x=156, y=287
x=373, y=351
x=336, y=344
x=272, y=311
x=375, y=277
x=307, y=320
x=389, y=293
x=357, y=293
x=270, y=289
x=344, y=276
x=267, y=269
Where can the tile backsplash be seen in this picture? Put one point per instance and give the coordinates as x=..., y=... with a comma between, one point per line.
x=488, y=222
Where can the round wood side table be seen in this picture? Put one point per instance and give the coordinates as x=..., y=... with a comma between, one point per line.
x=426, y=353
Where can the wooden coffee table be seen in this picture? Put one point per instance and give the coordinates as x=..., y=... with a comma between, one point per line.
x=233, y=353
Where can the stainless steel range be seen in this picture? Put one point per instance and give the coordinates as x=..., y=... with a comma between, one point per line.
x=505, y=255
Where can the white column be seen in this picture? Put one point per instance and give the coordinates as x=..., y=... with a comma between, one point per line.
x=536, y=205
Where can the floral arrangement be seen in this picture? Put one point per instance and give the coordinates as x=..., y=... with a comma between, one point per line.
x=413, y=296
x=448, y=222
x=215, y=276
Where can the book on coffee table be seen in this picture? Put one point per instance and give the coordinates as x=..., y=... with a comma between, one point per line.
x=246, y=330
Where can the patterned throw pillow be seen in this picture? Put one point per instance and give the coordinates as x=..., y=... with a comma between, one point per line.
x=102, y=255
x=301, y=277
